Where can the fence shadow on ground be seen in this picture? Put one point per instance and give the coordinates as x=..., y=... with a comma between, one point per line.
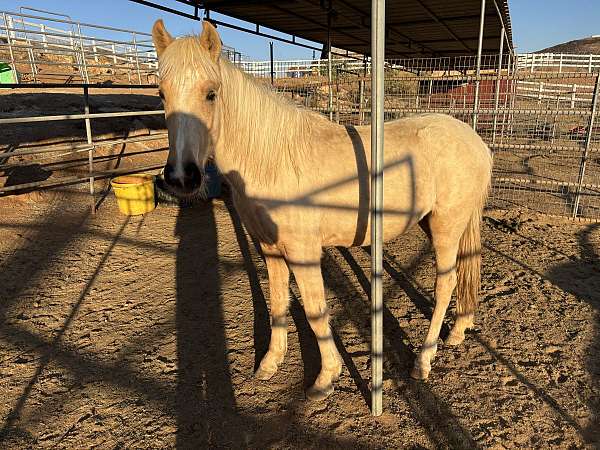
x=570, y=278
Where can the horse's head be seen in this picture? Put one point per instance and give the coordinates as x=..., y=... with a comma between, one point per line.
x=190, y=89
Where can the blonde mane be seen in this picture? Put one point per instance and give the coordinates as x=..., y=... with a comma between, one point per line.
x=256, y=119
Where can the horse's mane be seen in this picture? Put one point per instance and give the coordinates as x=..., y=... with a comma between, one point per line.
x=264, y=132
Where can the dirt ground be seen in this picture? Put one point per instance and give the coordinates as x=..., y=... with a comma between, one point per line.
x=144, y=332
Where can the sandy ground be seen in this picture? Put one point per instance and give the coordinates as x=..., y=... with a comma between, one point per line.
x=144, y=332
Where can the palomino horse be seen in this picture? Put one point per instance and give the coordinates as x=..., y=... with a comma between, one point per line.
x=300, y=182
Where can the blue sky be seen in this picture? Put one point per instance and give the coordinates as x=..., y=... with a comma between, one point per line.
x=536, y=23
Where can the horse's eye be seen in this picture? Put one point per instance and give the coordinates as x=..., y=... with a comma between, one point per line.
x=211, y=96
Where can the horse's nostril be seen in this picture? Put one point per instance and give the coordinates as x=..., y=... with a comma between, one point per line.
x=192, y=176
x=168, y=174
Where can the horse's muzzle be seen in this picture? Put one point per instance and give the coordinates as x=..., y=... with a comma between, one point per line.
x=185, y=182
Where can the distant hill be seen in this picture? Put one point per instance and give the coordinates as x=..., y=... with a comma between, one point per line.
x=579, y=46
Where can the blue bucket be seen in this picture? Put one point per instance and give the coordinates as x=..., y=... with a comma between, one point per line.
x=214, y=180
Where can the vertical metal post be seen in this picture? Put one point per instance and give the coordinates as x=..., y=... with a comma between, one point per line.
x=560, y=63
x=361, y=94
x=32, y=63
x=43, y=33
x=88, y=133
x=586, y=147
x=509, y=83
x=137, y=62
x=95, y=50
x=478, y=71
x=377, y=111
x=429, y=92
x=513, y=91
x=337, y=96
x=329, y=73
x=498, y=82
x=10, y=24
x=9, y=41
x=83, y=61
x=272, y=63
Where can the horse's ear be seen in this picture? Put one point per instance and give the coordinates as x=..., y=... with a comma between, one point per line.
x=210, y=40
x=160, y=37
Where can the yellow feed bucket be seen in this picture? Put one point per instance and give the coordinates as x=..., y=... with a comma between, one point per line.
x=135, y=193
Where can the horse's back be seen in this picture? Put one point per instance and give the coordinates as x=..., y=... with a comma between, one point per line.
x=430, y=161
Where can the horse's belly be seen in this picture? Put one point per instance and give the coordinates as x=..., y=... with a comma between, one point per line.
x=351, y=225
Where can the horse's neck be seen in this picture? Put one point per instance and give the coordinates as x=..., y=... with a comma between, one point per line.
x=263, y=138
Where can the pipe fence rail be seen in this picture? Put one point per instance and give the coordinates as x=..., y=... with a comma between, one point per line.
x=542, y=126
x=49, y=49
x=65, y=157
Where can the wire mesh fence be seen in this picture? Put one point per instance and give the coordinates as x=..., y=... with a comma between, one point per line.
x=542, y=126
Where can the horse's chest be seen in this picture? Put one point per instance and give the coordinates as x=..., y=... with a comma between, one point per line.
x=257, y=220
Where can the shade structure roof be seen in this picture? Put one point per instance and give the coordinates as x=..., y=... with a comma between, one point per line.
x=414, y=28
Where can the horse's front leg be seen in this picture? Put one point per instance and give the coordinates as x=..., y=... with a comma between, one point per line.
x=279, y=277
x=306, y=265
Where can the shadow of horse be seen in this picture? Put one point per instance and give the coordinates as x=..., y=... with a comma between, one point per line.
x=205, y=403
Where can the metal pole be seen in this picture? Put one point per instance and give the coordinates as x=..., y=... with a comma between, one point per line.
x=43, y=32
x=361, y=94
x=498, y=81
x=329, y=74
x=509, y=83
x=272, y=64
x=32, y=63
x=9, y=41
x=586, y=150
x=83, y=61
x=377, y=111
x=479, y=47
x=88, y=132
x=337, y=96
x=137, y=62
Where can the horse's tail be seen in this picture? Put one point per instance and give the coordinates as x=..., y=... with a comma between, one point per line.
x=469, y=263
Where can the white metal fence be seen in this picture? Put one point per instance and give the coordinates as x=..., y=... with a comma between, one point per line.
x=573, y=94
x=560, y=62
x=50, y=49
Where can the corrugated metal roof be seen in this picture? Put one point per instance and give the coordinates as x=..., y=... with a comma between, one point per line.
x=413, y=27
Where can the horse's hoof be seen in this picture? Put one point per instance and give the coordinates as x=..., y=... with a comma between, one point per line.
x=317, y=393
x=265, y=374
x=419, y=373
x=454, y=339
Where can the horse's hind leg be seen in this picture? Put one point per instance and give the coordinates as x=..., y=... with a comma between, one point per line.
x=445, y=235
x=305, y=262
x=279, y=276
x=463, y=320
